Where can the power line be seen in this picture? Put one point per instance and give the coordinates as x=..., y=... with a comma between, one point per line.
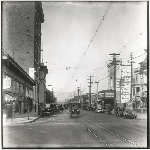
x=105, y=14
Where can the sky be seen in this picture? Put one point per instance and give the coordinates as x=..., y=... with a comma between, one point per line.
x=78, y=37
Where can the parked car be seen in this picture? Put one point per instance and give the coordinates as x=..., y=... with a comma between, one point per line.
x=46, y=111
x=108, y=108
x=129, y=111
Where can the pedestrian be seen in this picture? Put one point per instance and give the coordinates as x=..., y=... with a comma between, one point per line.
x=25, y=109
x=9, y=111
x=35, y=107
x=13, y=109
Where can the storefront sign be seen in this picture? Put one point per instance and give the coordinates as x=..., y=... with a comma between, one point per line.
x=109, y=94
x=7, y=83
x=31, y=72
x=125, y=84
x=100, y=95
x=30, y=94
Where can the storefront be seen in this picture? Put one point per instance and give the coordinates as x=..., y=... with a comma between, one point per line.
x=107, y=96
x=15, y=80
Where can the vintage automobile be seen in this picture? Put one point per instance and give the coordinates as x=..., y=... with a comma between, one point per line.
x=46, y=111
x=74, y=109
x=129, y=111
x=57, y=107
x=108, y=108
x=120, y=109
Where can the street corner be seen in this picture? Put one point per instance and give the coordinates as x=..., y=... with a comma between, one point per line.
x=19, y=121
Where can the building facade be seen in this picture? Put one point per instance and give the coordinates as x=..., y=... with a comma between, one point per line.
x=21, y=36
x=17, y=85
x=111, y=78
x=139, y=85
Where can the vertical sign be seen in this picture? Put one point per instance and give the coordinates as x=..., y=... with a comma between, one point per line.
x=7, y=83
x=125, y=83
x=31, y=72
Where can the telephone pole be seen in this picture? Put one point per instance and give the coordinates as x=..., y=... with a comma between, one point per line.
x=90, y=90
x=78, y=90
x=131, y=76
x=114, y=63
x=97, y=91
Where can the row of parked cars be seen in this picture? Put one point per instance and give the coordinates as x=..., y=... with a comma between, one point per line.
x=126, y=110
x=50, y=109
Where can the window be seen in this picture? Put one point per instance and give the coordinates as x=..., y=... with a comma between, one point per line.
x=138, y=89
x=21, y=89
x=17, y=87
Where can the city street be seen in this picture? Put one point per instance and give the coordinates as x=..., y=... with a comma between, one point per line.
x=89, y=130
x=61, y=59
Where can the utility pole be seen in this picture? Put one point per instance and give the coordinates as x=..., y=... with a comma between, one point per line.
x=97, y=91
x=114, y=63
x=90, y=90
x=131, y=78
x=131, y=75
x=78, y=90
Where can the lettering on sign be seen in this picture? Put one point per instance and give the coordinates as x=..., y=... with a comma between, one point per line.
x=108, y=94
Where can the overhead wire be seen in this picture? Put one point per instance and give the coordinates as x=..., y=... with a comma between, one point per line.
x=105, y=14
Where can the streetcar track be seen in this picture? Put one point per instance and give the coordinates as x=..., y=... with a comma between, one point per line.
x=92, y=132
x=129, y=127
x=114, y=133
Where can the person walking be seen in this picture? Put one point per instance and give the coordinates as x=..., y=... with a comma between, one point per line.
x=35, y=107
x=13, y=109
x=9, y=111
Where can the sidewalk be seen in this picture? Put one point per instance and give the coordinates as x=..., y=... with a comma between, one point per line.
x=142, y=116
x=22, y=118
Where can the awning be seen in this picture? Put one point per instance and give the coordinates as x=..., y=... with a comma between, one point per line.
x=137, y=99
x=9, y=98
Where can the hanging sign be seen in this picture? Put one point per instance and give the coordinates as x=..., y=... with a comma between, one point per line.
x=31, y=72
x=6, y=82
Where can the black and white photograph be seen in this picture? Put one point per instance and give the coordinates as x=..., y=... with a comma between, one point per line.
x=74, y=74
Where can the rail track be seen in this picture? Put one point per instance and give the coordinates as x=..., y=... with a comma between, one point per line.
x=104, y=134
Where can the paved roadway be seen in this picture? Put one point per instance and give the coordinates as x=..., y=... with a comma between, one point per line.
x=89, y=130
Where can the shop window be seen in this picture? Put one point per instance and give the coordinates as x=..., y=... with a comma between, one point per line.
x=17, y=87
x=14, y=86
x=21, y=89
x=138, y=89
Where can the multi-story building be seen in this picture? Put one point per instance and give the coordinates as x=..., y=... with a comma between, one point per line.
x=111, y=78
x=21, y=35
x=17, y=85
x=42, y=84
x=139, y=85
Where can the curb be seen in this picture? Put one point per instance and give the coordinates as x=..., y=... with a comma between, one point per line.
x=33, y=120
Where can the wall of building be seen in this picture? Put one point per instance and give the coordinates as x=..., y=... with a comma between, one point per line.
x=18, y=32
x=15, y=87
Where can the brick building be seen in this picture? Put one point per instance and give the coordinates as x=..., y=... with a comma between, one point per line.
x=21, y=35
